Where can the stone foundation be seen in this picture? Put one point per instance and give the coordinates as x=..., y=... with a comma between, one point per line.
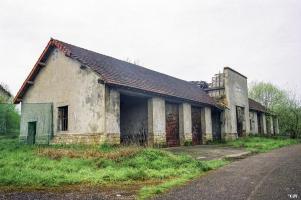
x=206, y=138
x=42, y=139
x=229, y=136
x=78, y=139
x=158, y=140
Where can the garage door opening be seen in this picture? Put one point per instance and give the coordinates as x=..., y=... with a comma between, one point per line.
x=240, y=119
x=216, y=125
x=133, y=120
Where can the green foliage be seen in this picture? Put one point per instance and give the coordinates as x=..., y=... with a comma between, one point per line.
x=9, y=119
x=149, y=191
x=258, y=144
x=267, y=94
x=285, y=104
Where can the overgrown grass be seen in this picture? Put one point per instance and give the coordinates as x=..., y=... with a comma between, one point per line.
x=259, y=144
x=48, y=166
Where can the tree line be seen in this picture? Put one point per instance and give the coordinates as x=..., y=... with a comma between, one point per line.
x=283, y=103
x=9, y=113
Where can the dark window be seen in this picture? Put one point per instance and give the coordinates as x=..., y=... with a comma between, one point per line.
x=62, y=118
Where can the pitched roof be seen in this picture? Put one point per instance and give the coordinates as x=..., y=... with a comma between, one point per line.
x=123, y=74
x=254, y=105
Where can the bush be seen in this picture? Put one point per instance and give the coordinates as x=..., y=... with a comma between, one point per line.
x=9, y=119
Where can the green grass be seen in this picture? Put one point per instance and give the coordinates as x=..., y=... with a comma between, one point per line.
x=149, y=191
x=257, y=144
x=155, y=169
x=59, y=165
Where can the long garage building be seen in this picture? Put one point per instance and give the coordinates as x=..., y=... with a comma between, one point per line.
x=73, y=95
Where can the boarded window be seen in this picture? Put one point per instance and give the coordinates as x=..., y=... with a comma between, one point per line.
x=63, y=118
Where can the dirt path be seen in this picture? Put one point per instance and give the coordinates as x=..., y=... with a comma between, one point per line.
x=72, y=192
x=273, y=175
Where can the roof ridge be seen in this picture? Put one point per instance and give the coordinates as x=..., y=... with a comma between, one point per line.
x=122, y=73
x=139, y=66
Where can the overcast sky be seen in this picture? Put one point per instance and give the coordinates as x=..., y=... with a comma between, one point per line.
x=188, y=39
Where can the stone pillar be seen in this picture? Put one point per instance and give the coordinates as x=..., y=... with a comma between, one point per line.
x=276, y=125
x=112, y=122
x=270, y=125
x=263, y=123
x=227, y=127
x=206, y=123
x=255, y=123
x=185, y=123
x=156, y=122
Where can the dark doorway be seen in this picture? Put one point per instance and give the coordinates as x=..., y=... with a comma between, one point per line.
x=216, y=125
x=240, y=118
x=31, y=138
x=133, y=120
x=62, y=118
x=259, y=124
x=172, y=124
x=196, y=125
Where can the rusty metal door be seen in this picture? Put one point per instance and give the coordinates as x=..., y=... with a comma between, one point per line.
x=172, y=124
x=196, y=125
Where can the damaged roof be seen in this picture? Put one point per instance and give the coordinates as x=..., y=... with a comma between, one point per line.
x=119, y=73
x=254, y=105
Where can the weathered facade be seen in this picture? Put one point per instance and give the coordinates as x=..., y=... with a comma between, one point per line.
x=74, y=95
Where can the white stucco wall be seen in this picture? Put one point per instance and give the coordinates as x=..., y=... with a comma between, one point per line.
x=63, y=83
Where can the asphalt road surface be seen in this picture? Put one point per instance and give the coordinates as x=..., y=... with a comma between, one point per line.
x=268, y=176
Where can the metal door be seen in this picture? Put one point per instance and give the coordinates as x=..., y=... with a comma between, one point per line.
x=172, y=124
x=196, y=125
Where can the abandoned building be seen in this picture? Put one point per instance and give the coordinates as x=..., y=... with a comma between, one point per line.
x=73, y=95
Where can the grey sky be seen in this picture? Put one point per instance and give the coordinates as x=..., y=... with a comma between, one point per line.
x=187, y=39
